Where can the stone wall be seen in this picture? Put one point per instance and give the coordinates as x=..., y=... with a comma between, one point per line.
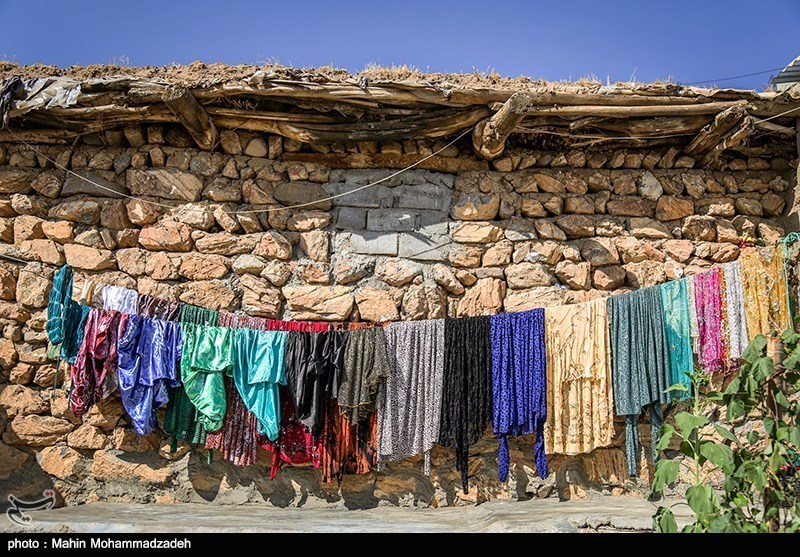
x=537, y=228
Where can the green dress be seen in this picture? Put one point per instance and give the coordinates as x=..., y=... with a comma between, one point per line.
x=207, y=357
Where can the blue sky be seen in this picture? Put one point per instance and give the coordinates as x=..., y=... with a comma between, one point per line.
x=687, y=40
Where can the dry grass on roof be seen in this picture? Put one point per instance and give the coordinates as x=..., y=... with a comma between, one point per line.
x=199, y=74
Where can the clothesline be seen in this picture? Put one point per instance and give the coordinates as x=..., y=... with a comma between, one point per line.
x=347, y=399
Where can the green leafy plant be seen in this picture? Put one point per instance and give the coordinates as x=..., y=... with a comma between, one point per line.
x=755, y=452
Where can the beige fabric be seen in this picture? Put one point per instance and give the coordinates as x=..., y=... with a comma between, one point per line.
x=580, y=406
x=766, y=299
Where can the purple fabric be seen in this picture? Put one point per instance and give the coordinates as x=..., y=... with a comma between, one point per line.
x=149, y=351
x=519, y=382
x=709, y=319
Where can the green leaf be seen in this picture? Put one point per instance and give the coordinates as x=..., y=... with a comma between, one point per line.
x=666, y=473
x=687, y=423
x=769, y=426
x=794, y=436
x=667, y=432
x=740, y=500
x=702, y=500
x=755, y=348
x=733, y=386
x=781, y=399
x=726, y=433
x=677, y=387
x=664, y=521
x=720, y=455
x=735, y=409
x=763, y=368
x=753, y=436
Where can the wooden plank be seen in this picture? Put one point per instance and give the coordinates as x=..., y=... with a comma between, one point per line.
x=634, y=111
x=715, y=132
x=489, y=136
x=450, y=165
x=194, y=118
x=48, y=136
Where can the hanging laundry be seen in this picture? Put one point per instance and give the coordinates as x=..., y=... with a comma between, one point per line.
x=366, y=367
x=691, y=300
x=236, y=439
x=346, y=447
x=766, y=299
x=734, y=309
x=313, y=364
x=149, y=351
x=207, y=357
x=580, y=404
x=90, y=288
x=519, y=383
x=120, y=299
x=410, y=401
x=57, y=302
x=677, y=328
x=160, y=309
x=94, y=375
x=258, y=369
x=295, y=444
x=467, y=387
x=707, y=288
x=640, y=364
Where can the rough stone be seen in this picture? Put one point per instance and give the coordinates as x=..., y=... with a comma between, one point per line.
x=600, y=252
x=773, y=204
x=576, y=226
x=16, y=180
x=36, y=431
x=167, y=183
x=86, y=437
x=528, y=275
x=27, y=227
x=375, y=304
x=196, y=216
x=273, y=245
x=327, y=303
x=543, y=296
x=631, y=207
x=166, y=236
x=45, y=251
x=578, y=206
x=256, y=147
x=109, y=467
x=475, y=207
x=351, y=218
x=485, y=297
x=609, y=278
x=444, y=277
x=257, y=192
x=259, y=297
x=750, y=207
x=142, y=213
x=11, y=461
x=316, y=244
x=224, y=243
x=308, y=220
x=82, y=211
x=33, y=288
x=649, y=228
x=770, y=233
x=196, y=266
x=700, y=228
x=549, y=231
x=644, y=274
x=423, y=247
x=91, y=259
x=277, y=272
x=575, y=275
x=673, y=208
x=48, y=184
x=397, y=272
x=12, y=311
x=717, y=252
x=679, y=250
x=211, y=294
x=549, y=184
x=349, y=268
x=532, y=208
x=249, y=264
x=476, y=232
x=649, y=187
x=18, y=400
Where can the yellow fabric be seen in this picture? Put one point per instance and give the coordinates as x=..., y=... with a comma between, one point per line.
x=766, y=299
x=580, y=406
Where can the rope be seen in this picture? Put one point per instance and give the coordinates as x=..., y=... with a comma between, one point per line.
x=251, y=211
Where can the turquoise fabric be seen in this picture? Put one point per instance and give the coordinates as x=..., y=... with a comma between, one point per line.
x=677, y=328
x=57, y=302
x=207, y=357
x=640, y=364
x=258, y=369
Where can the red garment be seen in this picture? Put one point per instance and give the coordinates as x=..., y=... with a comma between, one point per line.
x=347, y=448
x=295, y=443
x=302, y=326
x=237, y=438
x=94, y=374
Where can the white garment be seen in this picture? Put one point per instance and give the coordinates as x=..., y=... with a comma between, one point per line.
x=737, y=319
x=120, y=299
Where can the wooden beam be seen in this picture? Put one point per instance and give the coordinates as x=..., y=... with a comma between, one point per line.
x=47, y=136
x=450, y=165
x=634, y=111
x=489, y=136
x=736, y=137
x=715, y=132
x=189, y=112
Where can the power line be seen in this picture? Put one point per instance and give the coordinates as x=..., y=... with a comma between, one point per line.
x=732, y=77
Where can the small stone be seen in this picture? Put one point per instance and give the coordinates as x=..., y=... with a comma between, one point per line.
x=167, y=183
x=549, y=231
x=310, y=195
x=445, y=277
x=273, y=245
x=257, y=192
x=81, y=211
x=166, y=236
x=163, y=266
x=308, y=220
x=375, y=304
x=600, y=252
x=532, y=208
x=475, y=207
x=543, y=296
x=750, y=207
x=717, y=252
x=36, y=431
x=499, y=254
x=726, y=232
x=196, y=216
x=211, y=294
x=316, y=244
x=47, y=184
x=673, y=208
x=225, y=215
x=485, y=297
x=773, y=204
x=86, y=437
x=631, y=207
x=142, y=213
x=679, y=250
x=277, y=272
x=260, y=298
x=649, y=228
x=576, y=226
x=770, y=233
x=223, y=243
x=649, y=187
x=476, y=232
x=196, y=266
x=466, y=256
x=230, y=142
x=575, y=275
x=549, y=184
x=132, y=261
x=644, y=274
x=609, y=278
x=328, y=303
x=699, y=228
x=248, y=264
x=45, y=251
x=578, y=206
x=397, y=272
x=527, y=275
